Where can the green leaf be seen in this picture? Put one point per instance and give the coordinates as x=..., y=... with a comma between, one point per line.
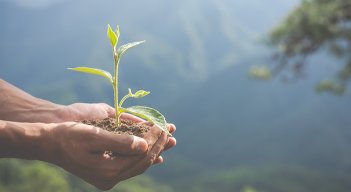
x=94, y=71
x=149, y=114
x=125, y=47
x=140, y=94
x=112, y=36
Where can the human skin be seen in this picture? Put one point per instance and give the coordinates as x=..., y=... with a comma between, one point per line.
x=80, y=149
x=19, y=106
x=36, y=129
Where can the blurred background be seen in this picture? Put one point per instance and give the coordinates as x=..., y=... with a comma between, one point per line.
x=258, y=90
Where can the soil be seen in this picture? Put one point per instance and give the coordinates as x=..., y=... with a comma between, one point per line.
x=125, y=127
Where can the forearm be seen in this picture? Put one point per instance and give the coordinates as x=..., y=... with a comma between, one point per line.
x=24, y=140
x=17, y=105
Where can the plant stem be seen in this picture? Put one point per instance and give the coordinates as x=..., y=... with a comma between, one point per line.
x=123, y=99
x=115, y=86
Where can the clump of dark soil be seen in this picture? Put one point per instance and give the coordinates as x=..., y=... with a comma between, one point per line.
x=125, y=127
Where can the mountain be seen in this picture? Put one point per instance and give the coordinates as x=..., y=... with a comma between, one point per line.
x=231, y=122
x=257, y=124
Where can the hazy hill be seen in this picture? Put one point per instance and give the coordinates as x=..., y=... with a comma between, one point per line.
x=234, y=122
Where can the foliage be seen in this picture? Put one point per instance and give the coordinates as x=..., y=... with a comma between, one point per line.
x=329, y=85
x=35, y=176
x=146, y=113
x=313, y=26
x=141, y=183
x=260, y=72
x=271, y=178
x=22, y=176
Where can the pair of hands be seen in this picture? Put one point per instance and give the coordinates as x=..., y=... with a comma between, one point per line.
x=33, y=128
x=83, y=146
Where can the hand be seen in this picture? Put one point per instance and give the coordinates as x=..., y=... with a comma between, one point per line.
x=80, y=149
x=171, y=127
x=86, y=111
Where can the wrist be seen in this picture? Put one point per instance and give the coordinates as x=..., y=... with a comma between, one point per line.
x=44, y=112
x=24, y=140
x=17, y=105
x=51, y=143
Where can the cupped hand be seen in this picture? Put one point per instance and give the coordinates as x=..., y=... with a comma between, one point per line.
x=81, y=150
x=85, y=111
x=150, y=136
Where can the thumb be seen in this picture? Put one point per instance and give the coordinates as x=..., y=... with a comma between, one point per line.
x=120, y=143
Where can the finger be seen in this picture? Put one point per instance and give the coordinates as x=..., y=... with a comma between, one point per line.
x=159, y=160
x=172, y=142
x=119, y=143
x=152, y=135
x=155, y=151
x=171, y=127
x=148, y=160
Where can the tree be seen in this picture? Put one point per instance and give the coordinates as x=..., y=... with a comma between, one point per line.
x=313, y=26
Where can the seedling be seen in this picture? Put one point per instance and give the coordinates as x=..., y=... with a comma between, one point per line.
x=147, y=113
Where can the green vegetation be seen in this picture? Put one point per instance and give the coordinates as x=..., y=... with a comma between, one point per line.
x=142, y=183
x=331, y=86
x=314, y=26
x=270, y=178
x=24, y=176
x=146, y=113
x=260, y=72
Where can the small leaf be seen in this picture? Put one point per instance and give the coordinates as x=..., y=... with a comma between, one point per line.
x=149, y=114
x=140, y=94
x=260, y=72
x=112, y=36
x=125, y=47
x=94, y=71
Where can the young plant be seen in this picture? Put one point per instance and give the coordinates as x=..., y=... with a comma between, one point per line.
x=147, y=113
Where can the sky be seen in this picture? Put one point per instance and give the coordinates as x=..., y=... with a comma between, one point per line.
x=35, y=4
